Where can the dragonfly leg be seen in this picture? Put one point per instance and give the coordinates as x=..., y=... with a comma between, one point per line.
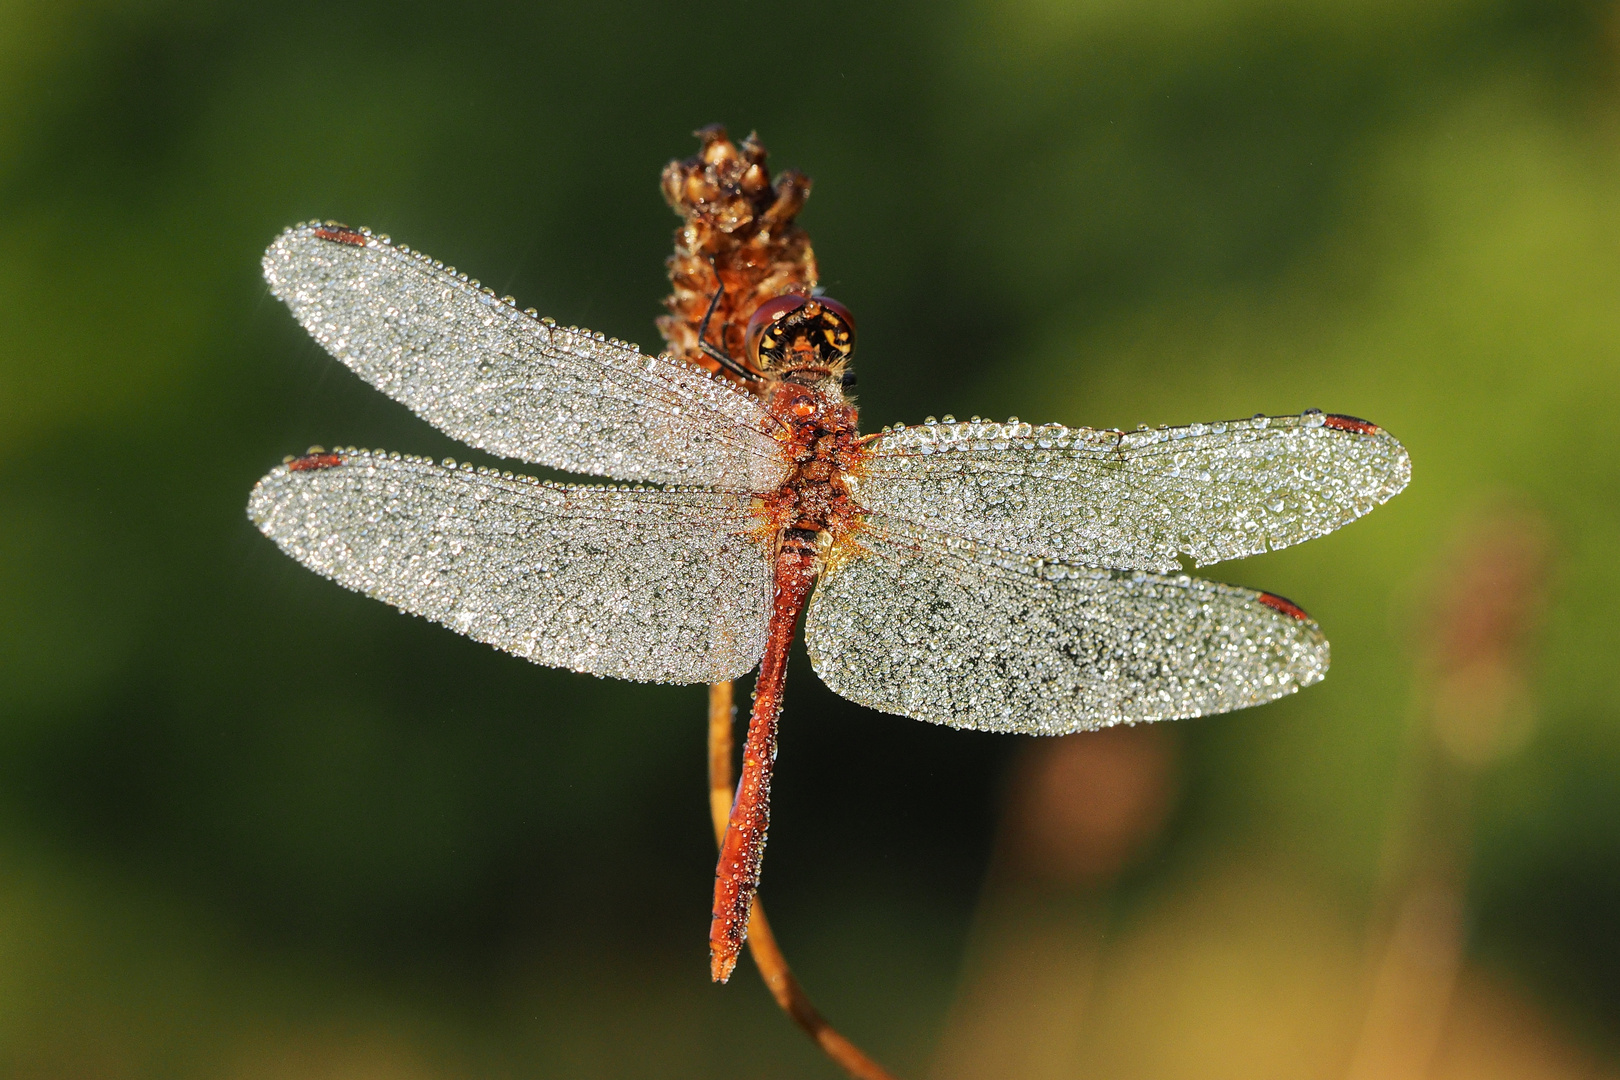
x=736, y=877
x=718, y=355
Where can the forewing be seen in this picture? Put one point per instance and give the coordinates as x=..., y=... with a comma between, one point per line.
x=949, y=632
x=1136, y=498
x=653, y=585
x=510, y=383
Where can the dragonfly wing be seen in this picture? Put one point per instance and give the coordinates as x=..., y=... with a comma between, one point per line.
x=652, y=585
x=1136, y=498
x=507, y=382
x=949, y=632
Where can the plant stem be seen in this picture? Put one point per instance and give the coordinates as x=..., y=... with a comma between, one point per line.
x=773, y=966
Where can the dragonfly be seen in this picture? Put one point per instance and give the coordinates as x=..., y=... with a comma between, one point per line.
x=1002, y=577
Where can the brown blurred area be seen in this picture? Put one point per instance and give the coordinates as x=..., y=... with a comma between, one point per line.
x=1243, y=966
x=1078, y=810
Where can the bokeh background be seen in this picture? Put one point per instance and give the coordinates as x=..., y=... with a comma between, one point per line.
x=254, y=826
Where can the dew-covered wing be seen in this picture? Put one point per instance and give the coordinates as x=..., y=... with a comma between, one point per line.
x=1136, y=498
x=507, y=382
x=941, y=630
x=653, y=585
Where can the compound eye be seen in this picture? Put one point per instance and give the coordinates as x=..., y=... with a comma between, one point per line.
x=803, y=332
x=841, y=318
x=766, y=318
x=832, y=329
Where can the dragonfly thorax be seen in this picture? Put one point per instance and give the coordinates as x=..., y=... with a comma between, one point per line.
x=820, y=440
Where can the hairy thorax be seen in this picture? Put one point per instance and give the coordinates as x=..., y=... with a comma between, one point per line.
x=819, y=439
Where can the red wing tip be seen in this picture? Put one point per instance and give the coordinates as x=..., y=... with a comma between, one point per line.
x=1340, y=422
x=311, y=462
x=340, y=234
x=1284, y=605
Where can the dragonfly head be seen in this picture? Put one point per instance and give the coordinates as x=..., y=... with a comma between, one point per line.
x=808, y=336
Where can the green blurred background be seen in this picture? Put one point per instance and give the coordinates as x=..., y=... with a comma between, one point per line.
x=252, y=825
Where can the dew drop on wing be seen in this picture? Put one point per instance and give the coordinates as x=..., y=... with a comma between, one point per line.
x=1216, y=483
x=408, y=328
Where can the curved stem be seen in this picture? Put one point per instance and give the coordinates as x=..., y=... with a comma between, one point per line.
x=773, y=966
